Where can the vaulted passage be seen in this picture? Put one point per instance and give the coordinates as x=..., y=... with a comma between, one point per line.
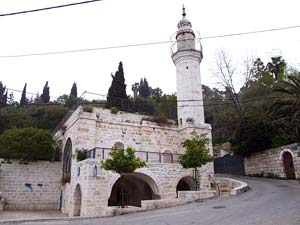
x=186, y=184
x=131, y=189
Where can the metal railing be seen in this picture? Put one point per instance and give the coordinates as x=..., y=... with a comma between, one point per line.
x=147, y=156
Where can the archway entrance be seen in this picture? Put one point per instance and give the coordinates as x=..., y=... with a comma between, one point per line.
x=186, y=184
x=288, y=165
x=131, y=189
x=77, y=201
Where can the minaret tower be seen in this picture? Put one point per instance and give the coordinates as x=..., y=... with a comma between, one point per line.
x=187, y=58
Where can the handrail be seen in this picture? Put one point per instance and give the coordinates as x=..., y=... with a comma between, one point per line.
x=173, y=156
x=217, y=185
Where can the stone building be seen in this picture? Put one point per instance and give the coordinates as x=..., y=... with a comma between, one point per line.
x=89, y=190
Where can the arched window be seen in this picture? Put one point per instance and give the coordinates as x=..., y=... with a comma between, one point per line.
x=67, y=161
x=119, y=145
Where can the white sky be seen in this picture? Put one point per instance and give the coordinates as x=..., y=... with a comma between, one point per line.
x=121, y=22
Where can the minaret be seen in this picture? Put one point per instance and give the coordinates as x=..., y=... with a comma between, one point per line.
x=187, y=58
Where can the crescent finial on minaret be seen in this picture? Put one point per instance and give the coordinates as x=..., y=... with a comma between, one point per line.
x=183, y=11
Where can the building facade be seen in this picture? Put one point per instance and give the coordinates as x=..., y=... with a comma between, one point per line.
x=89, y=190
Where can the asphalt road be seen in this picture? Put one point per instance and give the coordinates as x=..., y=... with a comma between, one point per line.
x=269, y=202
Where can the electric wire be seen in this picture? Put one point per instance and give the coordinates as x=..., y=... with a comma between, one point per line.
x=48, y=8
x=146, y=44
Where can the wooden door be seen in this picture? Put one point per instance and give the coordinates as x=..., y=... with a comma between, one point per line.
x=289, y=165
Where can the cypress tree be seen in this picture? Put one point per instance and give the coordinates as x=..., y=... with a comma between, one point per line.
x=144, y=89
x=3, y=95
x=46, y=94
x=117, y=96
x=74, y=90
x=24, y=100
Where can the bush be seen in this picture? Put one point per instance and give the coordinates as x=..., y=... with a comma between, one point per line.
x=27, y=144
x=114, y=110
x=87, y=108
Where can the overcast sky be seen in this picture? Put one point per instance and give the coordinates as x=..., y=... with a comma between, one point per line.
x=122, y=22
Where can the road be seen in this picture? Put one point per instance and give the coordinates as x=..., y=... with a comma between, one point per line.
x=269, y=202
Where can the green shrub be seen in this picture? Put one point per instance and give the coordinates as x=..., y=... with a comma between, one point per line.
x=114, y=110
x=27, y=144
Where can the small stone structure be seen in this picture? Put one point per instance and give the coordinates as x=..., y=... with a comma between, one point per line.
x=31, y=186
x=271, y=163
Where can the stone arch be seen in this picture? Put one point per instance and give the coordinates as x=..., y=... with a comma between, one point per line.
x=286, y=157
x=167, y=157
x=186, y=183
x=77, y=200
x=131, y=189
x=286, y=150
x=67, y=161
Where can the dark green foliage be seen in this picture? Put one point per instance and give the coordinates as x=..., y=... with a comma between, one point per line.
x=197, y=152
x=277, y=68
x=74, y=90
x=168, y=106
x=27, y=144
x=81, y=154
x=144, y=89
x=123, y=161
x=24, y=100
x=43, y=117
x=3, y=95
x=287, y=107
x=117, y=96
x=143, y=106
x=45, y=96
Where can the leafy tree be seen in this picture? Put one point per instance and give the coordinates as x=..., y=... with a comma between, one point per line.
x=24, y=100
x=144, y=89
x=27, y=144
x=117, y=96
x=123, y=161
x=74, y=90
x=10, y=99
x=45, y=96
x=277, y=67
x=3, y=95
x=287, y=107
x=196, y=154
x=156, y=93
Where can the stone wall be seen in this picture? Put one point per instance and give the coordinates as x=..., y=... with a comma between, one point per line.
x=32, y=186
x=269, y=163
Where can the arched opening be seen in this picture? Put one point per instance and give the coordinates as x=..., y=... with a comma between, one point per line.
x=288, y=165
x=119, y=145
x=67, y=161
x=186, y=184
x=167, y=157
x=77, y=201
x=131, y=189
